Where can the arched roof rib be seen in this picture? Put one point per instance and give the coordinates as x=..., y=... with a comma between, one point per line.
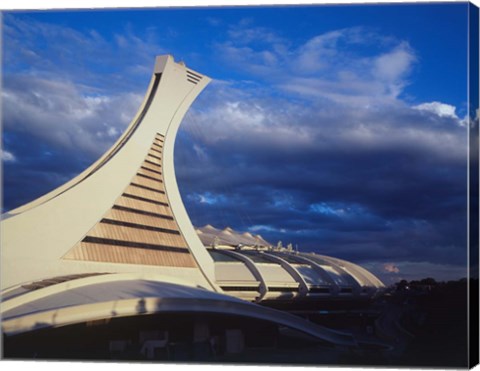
x=277, y=278
x=367, y=278
x=357, y=277
x=314, y=275
x=303, y=286
x=333, y=286
x=344, y=278
x=263, y=288
x=298, y=275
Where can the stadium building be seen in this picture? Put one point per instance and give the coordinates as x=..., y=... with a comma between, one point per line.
x=109, y=266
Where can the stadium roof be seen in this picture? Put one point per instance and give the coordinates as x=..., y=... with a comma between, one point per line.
x=114, y=296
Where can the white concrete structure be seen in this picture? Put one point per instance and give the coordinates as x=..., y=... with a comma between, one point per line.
x=250, y=268
x=95, y=298
x=116, y=241
x=91, y=223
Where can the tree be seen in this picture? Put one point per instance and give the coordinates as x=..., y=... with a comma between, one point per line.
x=428, y=281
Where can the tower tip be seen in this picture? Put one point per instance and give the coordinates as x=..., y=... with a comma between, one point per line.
x=161, y=61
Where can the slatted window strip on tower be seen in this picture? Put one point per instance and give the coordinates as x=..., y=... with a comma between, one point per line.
x=140, y=227
x=193, y=77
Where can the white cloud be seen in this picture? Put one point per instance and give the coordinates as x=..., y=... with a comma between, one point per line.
x=265, y=228
x=315, y=55
x=85, y=57
x=83, y=97
x=244, y=34
x=7, y=156
x=390, y=273
x=438, y=108
x=394, y=64
x=207, y=198
x=391, y=268
x=392, y=68
x=246, y=117
x=200, y=152
x=59, y=113
x=331, y=66
x=112, y=132
x=240, y=117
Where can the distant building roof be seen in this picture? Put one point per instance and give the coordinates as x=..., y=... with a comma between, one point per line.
x=210, y=235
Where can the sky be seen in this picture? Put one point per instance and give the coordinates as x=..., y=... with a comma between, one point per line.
x=338, y=128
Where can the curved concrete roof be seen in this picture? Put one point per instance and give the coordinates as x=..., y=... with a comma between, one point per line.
x=269, y=274
x=116, y=297
x=250, y=267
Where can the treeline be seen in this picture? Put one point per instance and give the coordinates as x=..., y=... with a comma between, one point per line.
x=430, y=284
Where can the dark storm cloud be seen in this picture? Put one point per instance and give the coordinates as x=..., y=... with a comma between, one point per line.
x=38, y=168
x=369, y=185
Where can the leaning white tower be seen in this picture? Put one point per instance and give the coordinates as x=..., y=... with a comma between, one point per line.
x=124, y=213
